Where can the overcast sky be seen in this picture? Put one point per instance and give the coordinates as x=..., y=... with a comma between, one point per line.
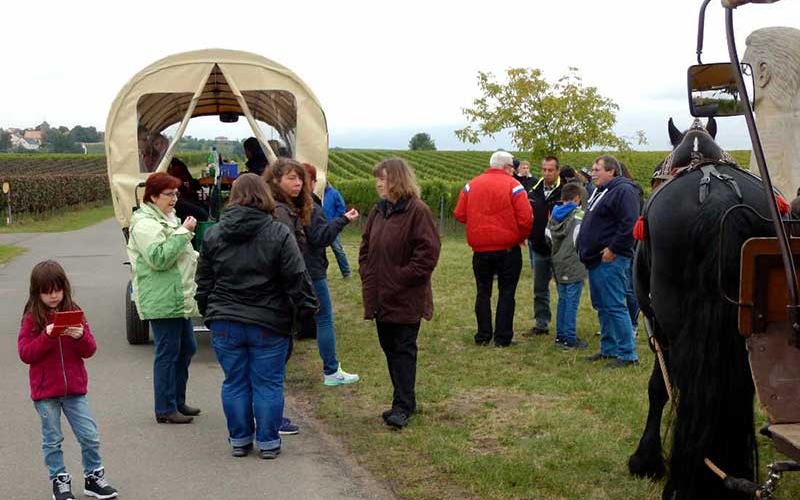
x=382, y=70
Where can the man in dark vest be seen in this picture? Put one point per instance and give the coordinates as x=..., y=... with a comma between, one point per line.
x=543, y=196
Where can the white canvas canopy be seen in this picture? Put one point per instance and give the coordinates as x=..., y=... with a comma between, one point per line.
x=206, y=83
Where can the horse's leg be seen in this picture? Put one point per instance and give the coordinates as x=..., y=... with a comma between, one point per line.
x=647, y=460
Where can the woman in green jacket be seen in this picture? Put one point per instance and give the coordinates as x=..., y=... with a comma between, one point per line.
x=164, y=264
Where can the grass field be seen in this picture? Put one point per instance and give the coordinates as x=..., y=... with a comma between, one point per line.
x=8, y=252
x=68, y=219
x=528, y=422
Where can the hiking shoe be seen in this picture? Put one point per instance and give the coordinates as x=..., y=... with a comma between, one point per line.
x=621, y=363
x=241, y=451
x=95, y=485
x=174, y=418
x=341, y=377
x=598, y=356
x=560, y=340
x=511, y=343
x=269, y=454
x=398, y=420
x=576, y=344
x=62, y=489
x=287, y=428
x=536, y=331
x=189, y=411
x=387, y=413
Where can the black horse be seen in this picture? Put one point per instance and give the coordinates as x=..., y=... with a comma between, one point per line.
x=688, y=259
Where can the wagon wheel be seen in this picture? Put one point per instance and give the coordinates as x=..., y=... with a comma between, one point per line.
x=136, y=330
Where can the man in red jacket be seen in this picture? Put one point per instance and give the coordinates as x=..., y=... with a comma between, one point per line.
x=498, y=216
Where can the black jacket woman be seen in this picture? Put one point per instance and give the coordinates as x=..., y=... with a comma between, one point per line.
x=251, y=281
x=292, y=184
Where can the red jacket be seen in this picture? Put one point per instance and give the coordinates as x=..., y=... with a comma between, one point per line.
x=496, y=210
x=56, y=365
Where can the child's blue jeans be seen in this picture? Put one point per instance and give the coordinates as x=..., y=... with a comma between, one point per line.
x=569, y=298
x=76, y=409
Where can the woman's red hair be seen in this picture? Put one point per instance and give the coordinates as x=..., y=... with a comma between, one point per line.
x=157, y=183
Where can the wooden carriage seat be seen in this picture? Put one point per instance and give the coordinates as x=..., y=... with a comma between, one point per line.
x=774, y=362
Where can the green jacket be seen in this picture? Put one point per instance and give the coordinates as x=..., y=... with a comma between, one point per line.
x=164, y=264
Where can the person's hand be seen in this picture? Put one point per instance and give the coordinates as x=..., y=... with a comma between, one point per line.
x=49, y=329
x=190, y=223
x=608, y=255
x=76, y=332
x=351, y=214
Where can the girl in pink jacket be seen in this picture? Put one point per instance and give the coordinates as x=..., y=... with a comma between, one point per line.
x=58, y=380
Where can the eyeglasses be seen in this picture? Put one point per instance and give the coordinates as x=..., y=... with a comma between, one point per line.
x=173, y=194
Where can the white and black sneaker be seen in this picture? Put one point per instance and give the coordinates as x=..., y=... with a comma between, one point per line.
x=96, y=485
x=62, y=487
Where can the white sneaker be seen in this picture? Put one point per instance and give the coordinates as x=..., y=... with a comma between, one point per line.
x=341, y=377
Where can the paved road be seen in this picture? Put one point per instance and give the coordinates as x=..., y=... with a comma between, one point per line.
x=145, y=460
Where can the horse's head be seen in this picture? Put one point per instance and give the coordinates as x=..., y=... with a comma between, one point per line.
x=695, y=144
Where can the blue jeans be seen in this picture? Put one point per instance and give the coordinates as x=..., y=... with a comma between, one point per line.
x=326, y=335
x=254, y=362
x=542, y=275
x=341, y=257
x=569, y=298
x=607, y=285
x=630, y=300
x=76, y=409
x=175, y=346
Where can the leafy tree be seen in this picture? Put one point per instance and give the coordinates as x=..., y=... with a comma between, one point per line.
x=5, y=140
x=542, y=117
x=56, y=140
x=84, y=134
x=421, y=142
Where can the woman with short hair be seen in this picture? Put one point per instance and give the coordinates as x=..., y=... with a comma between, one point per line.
x=163, y=264
x=251, y=281
x=398, y=253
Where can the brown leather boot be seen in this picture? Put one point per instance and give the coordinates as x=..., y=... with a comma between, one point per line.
x=173, y=418
x=189, y=411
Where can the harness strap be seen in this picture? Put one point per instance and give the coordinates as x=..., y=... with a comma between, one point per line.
x=709, y=170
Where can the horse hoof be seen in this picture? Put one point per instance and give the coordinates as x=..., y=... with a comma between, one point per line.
x=652, y=467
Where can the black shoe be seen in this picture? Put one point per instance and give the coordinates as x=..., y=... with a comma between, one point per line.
x=241, y=451
x=62, y=487
x=577, y=344
x=597, y=356
x=537, y=331
x=386, y=414
x=482, y=342
x=621, y=363
x=95, y=485
x=269, y=454
x=511, y=343
x=174, y=418
x=189, y=411
x=397, y=420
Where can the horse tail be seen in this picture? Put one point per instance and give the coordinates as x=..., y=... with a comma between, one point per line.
x=709, y=366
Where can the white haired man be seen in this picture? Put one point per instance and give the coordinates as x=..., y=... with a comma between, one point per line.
x=499, y=218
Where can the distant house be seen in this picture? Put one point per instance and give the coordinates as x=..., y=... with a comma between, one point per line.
x=34, y=135
x=221, y=138
x=21, y=142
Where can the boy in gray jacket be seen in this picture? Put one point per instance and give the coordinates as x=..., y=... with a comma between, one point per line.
x=569, y=272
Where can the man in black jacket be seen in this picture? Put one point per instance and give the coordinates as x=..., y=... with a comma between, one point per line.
x=544, y=195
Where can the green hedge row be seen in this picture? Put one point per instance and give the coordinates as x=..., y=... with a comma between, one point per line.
x=36, y=194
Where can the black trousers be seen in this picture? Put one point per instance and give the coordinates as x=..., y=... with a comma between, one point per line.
x=399, y=344
x=506, y=265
